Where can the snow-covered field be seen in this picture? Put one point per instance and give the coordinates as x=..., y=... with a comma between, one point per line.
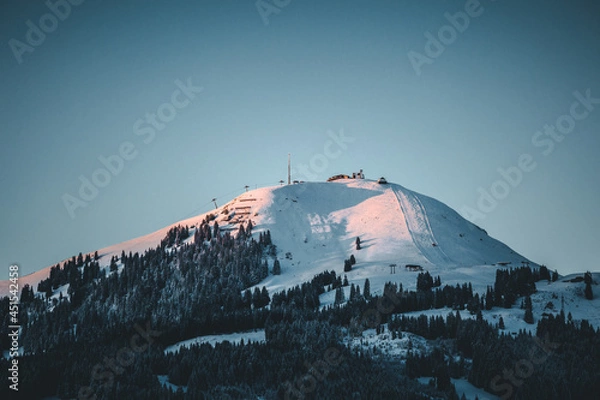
x=470, y=391
x=385, y=344
x=463, y=386
x=164, y=381
x=252, y=336
x=548, y=299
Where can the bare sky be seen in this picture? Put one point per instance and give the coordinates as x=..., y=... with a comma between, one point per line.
x=491, y=107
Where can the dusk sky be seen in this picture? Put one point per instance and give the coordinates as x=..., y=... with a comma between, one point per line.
x=491, y=107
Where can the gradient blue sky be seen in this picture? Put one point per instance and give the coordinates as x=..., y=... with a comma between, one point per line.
x=270, y=90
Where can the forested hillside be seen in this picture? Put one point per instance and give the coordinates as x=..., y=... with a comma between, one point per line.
x=100, y=332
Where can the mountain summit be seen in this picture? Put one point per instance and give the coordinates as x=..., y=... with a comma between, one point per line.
x=315, y=226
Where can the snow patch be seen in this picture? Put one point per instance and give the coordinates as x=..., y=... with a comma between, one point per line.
x=236, y=338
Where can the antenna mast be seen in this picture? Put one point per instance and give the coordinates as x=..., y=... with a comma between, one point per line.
x=289, y=169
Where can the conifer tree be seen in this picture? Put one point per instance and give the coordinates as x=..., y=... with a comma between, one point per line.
x=489, y=299
x=367, y=289
x=424, y=281
x=247, y=299
x=442, y=377
x=113, y=264
x=241, y=233
x=587, y=279
x=544, y=273
x=528, y=311
x=256, y=303
x=265, y=299
x=276, y=267
x=347, y=266
x=339, y=296
x=26, y=294
x=589, y=294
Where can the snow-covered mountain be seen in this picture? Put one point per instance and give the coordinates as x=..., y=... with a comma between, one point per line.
x=314, y=226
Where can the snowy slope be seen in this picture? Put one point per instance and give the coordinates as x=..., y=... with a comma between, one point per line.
x=316, y=225
x=550, y=298
x=140, y=245
x=235, y=338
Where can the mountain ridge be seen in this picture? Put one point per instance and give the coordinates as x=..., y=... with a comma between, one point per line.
x=315, y=224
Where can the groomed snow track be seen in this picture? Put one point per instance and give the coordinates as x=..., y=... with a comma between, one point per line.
x=420, y=230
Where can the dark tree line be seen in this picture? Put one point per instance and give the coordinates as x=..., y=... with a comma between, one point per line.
x=561, y=361
x=510, y=284
x=306, y=295
x=426, y=282
x=201, y=287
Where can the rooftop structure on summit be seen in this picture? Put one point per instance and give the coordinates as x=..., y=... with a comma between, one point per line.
x=355, y=175
x=336, y=177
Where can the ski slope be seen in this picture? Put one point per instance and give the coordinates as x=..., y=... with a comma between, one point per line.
x=315, y=225
x=419, y=227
